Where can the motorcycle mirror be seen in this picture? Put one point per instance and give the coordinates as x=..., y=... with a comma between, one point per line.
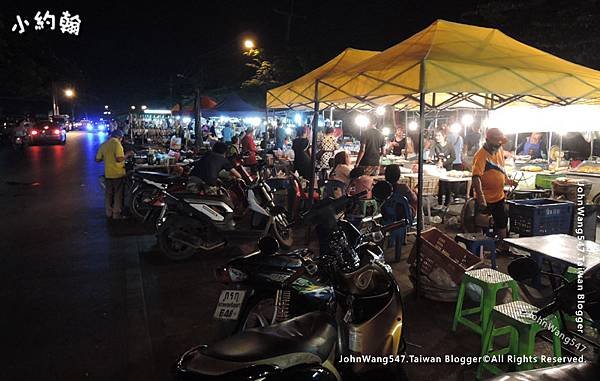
x=382, y=190
x=523, y=268
x=268, y=245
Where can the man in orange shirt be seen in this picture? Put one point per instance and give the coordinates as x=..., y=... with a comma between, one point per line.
x=489, y=178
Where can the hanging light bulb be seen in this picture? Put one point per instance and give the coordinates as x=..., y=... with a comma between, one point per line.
x=467, y=120
x=361, y=120
x=455, y=128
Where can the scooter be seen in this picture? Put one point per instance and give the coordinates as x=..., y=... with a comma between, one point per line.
x=192, y=221
x=255, y=280
x=367, y=320
x=146, y=196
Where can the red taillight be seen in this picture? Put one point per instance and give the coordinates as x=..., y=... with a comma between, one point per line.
x=158, y=201
x=56, y=132
x=34, y=132
x=222, y=275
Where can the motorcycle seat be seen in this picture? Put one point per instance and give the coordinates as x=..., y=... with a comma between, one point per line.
x=309, y=338
x=159, y=177
x=567, y=372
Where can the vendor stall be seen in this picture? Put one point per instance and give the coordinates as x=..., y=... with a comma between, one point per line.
x=451, y=65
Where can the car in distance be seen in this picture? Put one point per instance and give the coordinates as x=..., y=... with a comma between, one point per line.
x=46, y=132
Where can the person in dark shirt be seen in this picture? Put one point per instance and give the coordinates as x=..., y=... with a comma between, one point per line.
x=444, y=155
x=392, y=175
x=398, y=143
x=301, y=149
x=443, y=152
x=207, y=169
x=372, y=144
x=280, y=135
x=472, y=139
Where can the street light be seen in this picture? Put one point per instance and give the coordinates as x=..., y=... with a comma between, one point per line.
x=249, y=44
x=144, y=107
x=133, y=107
x=70, y=93
x=106, y=107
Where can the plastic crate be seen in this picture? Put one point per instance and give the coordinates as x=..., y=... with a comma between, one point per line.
x=540, y=216
x=430, y=184
x=544, y=180
x=439, y=250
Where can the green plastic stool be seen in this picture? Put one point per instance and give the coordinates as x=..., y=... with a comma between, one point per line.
x=571, y=274
x=517, y=319
x=491, y=281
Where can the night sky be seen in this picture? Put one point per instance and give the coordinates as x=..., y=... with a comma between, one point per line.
x=133, y=53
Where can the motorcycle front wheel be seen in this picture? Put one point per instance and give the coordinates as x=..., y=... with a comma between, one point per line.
x=281, y=230
x=140, y=203
x=174, y=249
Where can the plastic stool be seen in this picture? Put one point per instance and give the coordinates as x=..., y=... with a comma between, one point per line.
x=519, y=320
x=474, y=243
x=490, y=281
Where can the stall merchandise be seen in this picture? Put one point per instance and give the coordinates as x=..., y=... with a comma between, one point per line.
x=451, y=65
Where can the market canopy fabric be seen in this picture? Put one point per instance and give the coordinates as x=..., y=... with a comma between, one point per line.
x=233, y=105
x=458, y=65
x=206, y=102
x=300, y=93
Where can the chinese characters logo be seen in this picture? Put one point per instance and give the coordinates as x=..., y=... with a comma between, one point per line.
x=67, y=23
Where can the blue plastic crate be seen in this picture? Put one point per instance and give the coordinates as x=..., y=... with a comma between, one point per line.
x=276, y=183
x=540, y=216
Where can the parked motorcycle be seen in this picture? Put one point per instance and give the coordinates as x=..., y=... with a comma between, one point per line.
x=363, y=316
x=256, y=280
x=192, y=221
x=146, y=198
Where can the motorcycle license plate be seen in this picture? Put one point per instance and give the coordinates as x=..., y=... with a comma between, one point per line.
x=230, y=304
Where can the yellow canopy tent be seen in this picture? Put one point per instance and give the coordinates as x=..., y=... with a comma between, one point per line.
x=299, y=94
x=462, y=65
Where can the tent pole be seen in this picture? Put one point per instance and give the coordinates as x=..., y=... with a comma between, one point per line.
x=549, y=146
x=267, y=123
x=406, y=134
x=313, y=148
x=559, y=152
x=420, y=216
x=419, y=243
x=198, y=124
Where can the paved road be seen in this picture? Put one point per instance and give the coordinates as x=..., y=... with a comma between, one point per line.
x=82, y=297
